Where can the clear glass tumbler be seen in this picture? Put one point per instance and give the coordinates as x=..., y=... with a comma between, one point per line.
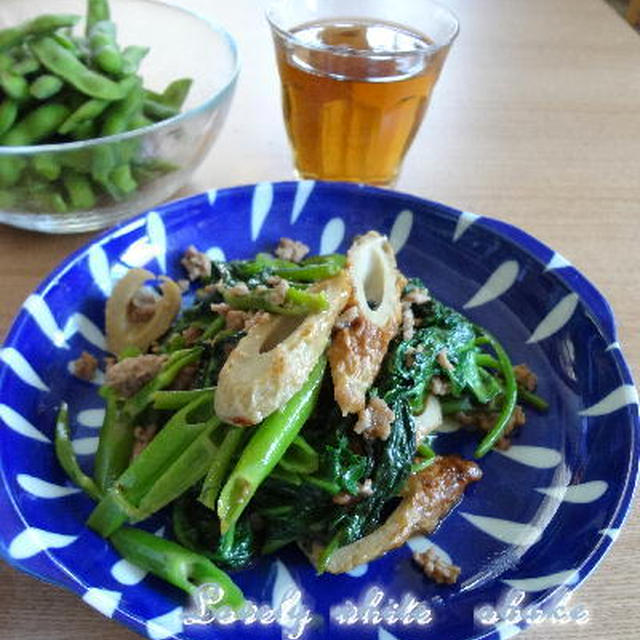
x=356, y=78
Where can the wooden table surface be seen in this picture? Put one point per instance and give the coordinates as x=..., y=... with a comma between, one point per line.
x=536, y=120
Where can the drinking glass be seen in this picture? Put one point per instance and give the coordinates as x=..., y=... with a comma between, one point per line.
x=357, y=76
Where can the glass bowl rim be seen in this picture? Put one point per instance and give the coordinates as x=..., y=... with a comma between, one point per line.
x=208, y=103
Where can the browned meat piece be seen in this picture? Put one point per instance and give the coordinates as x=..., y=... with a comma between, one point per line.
x=196, y=263
x=131, y=374
x=344, y=497
x=142, y=436
x=408, y=321
x=427, y=498
x=238, y=290
x=436, y=568
x=375, y=420
x=278, y=289
x=525, y=377
x=191, y=335
x=85, y=366
x=443, y=361
x=186, y=377
x=416, y=296
x=484, y=421
x=291, y=250
x=237, y=319
x=439, y=386
x=142, y=305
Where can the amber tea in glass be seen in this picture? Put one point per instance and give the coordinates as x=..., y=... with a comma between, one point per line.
x=355, y=89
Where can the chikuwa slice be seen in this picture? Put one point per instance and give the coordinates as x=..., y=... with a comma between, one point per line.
x=272, y=362
x=372, y=319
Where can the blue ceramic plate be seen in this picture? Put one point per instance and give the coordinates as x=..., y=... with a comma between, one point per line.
x=540, y=520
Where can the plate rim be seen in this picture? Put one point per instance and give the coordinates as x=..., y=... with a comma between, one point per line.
x=512, y=234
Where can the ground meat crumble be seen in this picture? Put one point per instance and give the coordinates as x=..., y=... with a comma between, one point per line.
x=131, y=374
x=291, y=250
x=485, y=420
x=525, y=377
x=142, y=436
x=365, y=489
x=436, y=568
x=408, y=321
x=196, y=263
x=85, y=366
x=375, y=420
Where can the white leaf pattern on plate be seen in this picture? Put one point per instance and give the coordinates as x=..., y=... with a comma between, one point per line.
x=212, y=194
x=42, y=488
x=401, y=230
x=577, y=493
x=40, y=312
x=507, y=531
x=557, y=261
x=465, y=220
x=85, y=446
x=166, y=625
x=99, y=269
x=102, y=600
x=499, y=282
x=532, y=456
x=303, y=191
x=260, y=206
x=557, y=318
x=33, y=540
x=79, y=323
x=127, y=573
x=420, y=544
x=540, y=583
x=20, y=425
x=92, y=418
x=622, y=396
x=332, y=236
x=19, y=365
x=157, y=238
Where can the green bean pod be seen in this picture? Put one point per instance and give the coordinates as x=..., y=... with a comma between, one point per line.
x=264, y=451
x=67, y=458
x=180, y=567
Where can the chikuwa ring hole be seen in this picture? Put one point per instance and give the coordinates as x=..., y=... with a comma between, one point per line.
x=374, y=281
x=285, y=326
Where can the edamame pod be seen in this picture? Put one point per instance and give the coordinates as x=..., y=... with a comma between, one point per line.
x=8, y=115
x=14, y=86
x=102, y=41
x=79, y=188
x=46, y=166
x=63, y=63
x=45, y=86
x=97, y=10
x=36, y=125
x=37, y=26
x=132, y=56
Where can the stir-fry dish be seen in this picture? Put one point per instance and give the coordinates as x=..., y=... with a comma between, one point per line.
x=294, y=401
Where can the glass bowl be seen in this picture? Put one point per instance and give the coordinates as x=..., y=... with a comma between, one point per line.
x=162, y=156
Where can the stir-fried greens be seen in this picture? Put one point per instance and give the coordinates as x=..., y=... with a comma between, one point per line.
x=349, y=367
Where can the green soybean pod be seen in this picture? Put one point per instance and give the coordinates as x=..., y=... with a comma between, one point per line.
x=46, y=166
x=79, y=189
x=123, y=180
x=132, y=56
x=36, y=125
x=26, y=65
x=63, y=63
x=11, y=168
x=117, y=117
x=158, y=110
x=8, y=114
x=14, y=86
x=85, y=131
x=41, y=25
x=6, y=61
x=105, y=51
x=87, y=111
x=176, y=93
x=45, y=86
x=97, y=11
